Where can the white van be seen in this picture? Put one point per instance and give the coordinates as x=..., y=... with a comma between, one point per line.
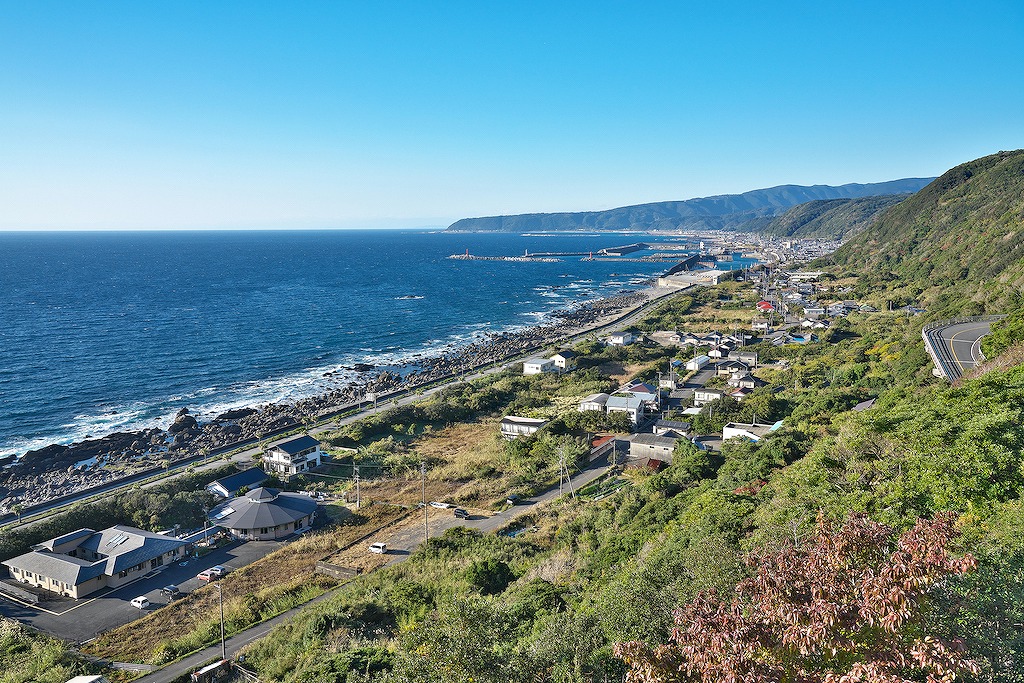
x=142, y=602
x=379, y=548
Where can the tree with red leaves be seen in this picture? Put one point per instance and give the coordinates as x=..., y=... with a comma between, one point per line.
x=840, y=608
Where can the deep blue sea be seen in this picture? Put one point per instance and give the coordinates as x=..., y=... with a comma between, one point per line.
x=108, y=331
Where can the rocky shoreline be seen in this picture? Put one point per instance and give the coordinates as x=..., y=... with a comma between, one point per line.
x=58, y=470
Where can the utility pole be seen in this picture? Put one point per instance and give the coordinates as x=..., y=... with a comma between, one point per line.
x=223, y=647
x=356, y=473
x=423, y=498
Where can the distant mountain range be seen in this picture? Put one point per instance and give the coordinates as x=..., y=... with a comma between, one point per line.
x=750, y=211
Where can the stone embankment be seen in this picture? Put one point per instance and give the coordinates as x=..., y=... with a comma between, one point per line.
x=59, y=470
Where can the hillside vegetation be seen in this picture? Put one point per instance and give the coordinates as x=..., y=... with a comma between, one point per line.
x=955, y=247
x=831, y=218
x=748, y=211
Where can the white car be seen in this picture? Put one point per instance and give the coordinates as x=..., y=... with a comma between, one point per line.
x=379, y=548
x=443, y=506
x=142, y=602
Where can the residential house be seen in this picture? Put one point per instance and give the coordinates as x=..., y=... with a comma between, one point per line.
x=627, y=403
x=744, y=380
x=739, y=393
x=265, y=514
x=761, y=325
x=814, y=312
x=651, y=446
x=564, y=360
x=704, y=396
x=291, y=457
x=537, y=366
x=229, y=486
x=512, y=426
x=82, y=562
x=727, y=367
x=721, y=351
x=748, y=358
x=593, y=402
x=624, y=338
x=753, y=431
x=672, y=428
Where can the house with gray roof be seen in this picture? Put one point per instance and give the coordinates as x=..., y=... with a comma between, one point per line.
x=265, y=514
x=292, y=456
x=84, y=561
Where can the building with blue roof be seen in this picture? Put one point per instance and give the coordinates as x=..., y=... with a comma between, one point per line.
x=229, y=486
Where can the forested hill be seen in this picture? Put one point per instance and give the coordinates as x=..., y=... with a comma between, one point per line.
x=831, y=218
x=748, y=211
x=957, y=246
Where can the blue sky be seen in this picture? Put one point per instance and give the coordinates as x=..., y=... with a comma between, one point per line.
x=272, y=114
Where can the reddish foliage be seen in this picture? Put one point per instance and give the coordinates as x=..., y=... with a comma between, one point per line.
x=834, y=610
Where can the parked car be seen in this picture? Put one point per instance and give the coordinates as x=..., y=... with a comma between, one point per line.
x=512, y=499
x=438, y=504
x=461, y=513
x=142, y=602
x=379, y=548
x=212, y=573
x=170, y=592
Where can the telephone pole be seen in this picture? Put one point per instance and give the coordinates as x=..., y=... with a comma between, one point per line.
x=356, y=476
x=423, y=498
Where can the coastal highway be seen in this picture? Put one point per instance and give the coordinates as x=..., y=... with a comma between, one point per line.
x=348, y=414
x=955, y=345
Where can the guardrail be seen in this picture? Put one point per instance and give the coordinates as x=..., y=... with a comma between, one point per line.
x=945, y=362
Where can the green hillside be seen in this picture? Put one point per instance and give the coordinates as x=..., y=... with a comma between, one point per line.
x=831, y=219
x=955, y=247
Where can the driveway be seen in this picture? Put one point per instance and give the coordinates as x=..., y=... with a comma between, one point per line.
x=81, y=620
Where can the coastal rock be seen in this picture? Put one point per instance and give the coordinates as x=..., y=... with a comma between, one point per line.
x=236, y=414
x=362, y=367
x=183, y=423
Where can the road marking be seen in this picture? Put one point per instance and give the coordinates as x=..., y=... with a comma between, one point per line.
x=952, y=349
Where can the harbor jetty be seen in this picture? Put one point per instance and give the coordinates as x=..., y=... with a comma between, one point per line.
x=525, y=258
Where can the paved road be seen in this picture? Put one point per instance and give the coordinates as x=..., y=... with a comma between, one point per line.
x=957, y=346
x=80, y=620
x=400, y=545
x=404, y=397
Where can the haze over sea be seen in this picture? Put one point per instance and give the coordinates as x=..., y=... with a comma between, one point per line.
x=110, y=331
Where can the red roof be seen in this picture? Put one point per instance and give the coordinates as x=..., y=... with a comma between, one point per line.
x=765, y=306
x=600, y=441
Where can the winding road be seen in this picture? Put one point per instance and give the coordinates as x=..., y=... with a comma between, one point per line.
x=955, y=346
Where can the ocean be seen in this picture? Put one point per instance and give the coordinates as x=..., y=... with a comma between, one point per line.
x=110, y=331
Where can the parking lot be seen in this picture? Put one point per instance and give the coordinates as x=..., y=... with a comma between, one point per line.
x=81, y=620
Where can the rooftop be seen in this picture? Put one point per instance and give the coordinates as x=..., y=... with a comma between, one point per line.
x=262, y=508
x=296, y=445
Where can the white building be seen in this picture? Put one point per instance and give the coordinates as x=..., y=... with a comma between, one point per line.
x=621, y=338
x=512, y=426
x=594, y=402
x=288, y=458
x=752, y=431
x=564, y=360
x=697, y=363
x=536, y=366
x=631, y=405
x=704, y=396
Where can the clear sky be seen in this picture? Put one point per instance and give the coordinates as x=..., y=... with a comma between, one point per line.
x=386, y=114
